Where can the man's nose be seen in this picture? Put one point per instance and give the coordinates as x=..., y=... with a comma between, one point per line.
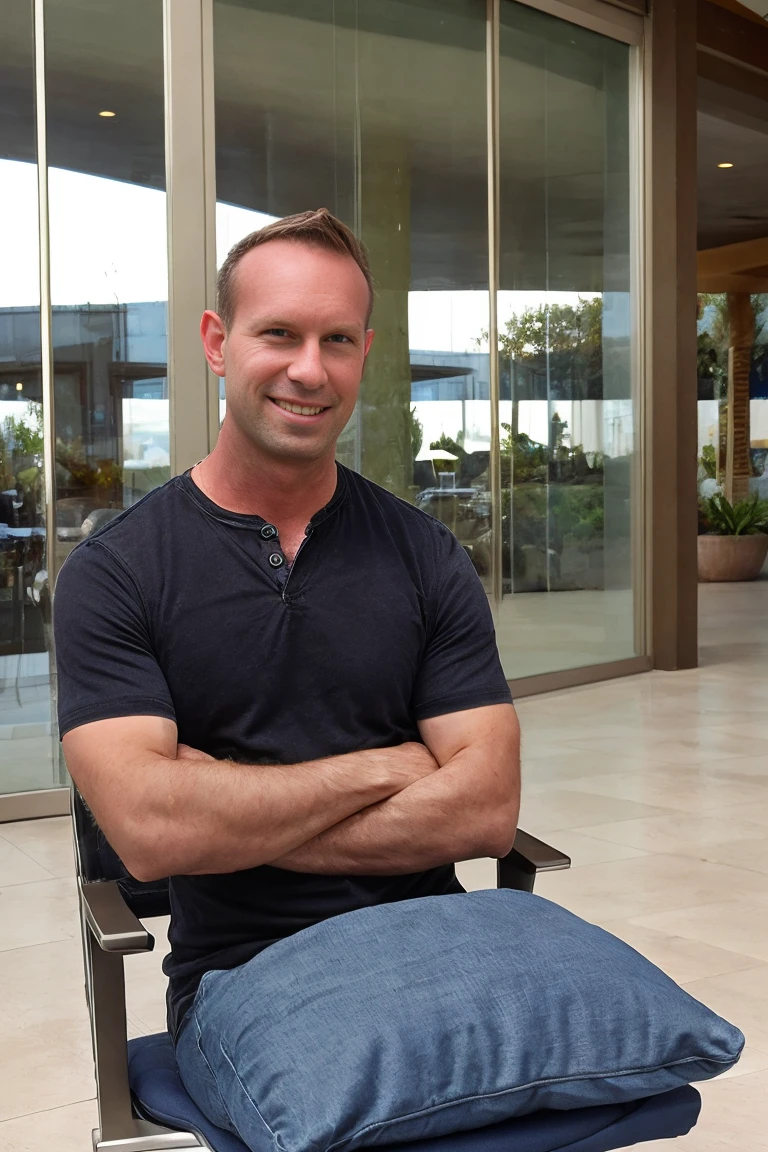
x=307, y=367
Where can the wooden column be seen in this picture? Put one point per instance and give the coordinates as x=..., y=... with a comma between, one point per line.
x=672, y=351
x=738, y=469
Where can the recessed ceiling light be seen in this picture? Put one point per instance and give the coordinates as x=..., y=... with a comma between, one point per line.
x=19, y=387
x=726, y=164
x=107, y=113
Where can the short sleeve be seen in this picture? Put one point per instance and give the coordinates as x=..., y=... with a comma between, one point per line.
x=461, y=667
x=104, y=654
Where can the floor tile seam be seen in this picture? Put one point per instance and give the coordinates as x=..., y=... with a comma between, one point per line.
x=575, y=788
x=38, y=880
x=664, y=763
x=592, y=835
x=37, y=944
x=637, y=922
x=53, y=940
x=761, y=828
x=758, y=966
x=742, y=902
x=42, y=1111
x=685, y=858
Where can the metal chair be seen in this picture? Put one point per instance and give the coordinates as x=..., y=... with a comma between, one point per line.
x=142, y=1103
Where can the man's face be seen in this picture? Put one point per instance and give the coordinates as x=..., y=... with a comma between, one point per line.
x=294, y=355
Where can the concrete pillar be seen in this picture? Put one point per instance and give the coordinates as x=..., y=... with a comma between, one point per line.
x=385, y=396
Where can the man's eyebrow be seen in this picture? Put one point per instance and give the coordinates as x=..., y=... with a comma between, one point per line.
x=345, y=327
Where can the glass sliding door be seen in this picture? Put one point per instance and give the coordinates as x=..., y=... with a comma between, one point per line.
x=26, y=745
x=377, y=111
x=567, y=346
x=109, y=281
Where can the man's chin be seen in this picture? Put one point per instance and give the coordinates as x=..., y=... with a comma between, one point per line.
x=298, y=449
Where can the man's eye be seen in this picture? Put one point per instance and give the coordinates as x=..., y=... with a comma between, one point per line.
x=340, y=338
x=277, y=332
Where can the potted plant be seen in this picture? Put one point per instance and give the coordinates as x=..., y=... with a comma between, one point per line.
x=734, y=544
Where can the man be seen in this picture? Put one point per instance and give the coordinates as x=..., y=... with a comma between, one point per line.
x=278, y=683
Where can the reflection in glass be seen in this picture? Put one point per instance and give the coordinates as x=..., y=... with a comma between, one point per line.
x=715, y=337
x=108, y=258
x=26, y=747
x=569, y=432
x=378, y=113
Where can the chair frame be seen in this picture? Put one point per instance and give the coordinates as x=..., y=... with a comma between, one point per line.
x=111, y=931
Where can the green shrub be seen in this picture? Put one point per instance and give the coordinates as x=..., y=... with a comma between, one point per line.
x=744, y=518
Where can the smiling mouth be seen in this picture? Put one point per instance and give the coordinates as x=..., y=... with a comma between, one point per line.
x=299, y=409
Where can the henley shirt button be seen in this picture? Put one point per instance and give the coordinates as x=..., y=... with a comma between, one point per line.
x=268, y=532
x=276, y=560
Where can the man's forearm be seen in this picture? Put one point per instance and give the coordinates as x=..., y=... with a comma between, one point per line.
x=437, y=820
x=189, y=814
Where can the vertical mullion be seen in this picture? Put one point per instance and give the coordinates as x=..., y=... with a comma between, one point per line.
x=188, y=230
x=638, y=388
x=492, y=114
x=209, y=167
x=46, y=315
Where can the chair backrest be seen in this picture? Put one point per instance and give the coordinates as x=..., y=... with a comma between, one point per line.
x=97, y=860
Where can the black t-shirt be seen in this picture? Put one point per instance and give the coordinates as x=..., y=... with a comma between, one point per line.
x=179, y=608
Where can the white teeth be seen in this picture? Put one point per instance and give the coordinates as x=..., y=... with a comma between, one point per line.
x=298, y=409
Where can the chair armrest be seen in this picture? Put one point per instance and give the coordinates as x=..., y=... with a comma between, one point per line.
x=528, y=857
x=110, y=920
x=540, y=857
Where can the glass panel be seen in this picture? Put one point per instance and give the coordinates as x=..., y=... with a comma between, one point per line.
x=378, y=113
x=109, y=285
x=26, y=746
x=569, y=432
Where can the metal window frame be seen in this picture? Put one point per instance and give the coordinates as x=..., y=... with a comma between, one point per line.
x=631, y=29
x=191, y=212
x=597, y=15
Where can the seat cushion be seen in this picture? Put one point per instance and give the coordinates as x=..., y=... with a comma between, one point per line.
x=160, y=1095
x=414, y=1020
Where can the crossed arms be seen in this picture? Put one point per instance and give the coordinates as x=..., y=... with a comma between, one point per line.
x=171, y=810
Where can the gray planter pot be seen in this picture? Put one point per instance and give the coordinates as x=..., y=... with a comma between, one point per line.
x=724, y=558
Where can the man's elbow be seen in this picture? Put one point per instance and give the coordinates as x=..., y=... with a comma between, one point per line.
x=145, y=853
x=500, y=828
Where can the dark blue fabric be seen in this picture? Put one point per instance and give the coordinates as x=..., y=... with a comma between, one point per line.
x=157, y=1087
x=411, y=1021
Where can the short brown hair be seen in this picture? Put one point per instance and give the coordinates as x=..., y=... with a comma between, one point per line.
x=317, y=228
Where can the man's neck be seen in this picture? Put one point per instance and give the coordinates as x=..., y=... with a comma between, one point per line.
x=282, y=492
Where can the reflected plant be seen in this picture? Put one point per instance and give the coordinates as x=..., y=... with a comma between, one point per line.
x=26, y=434
x=571, y=335
x=417, y=432
x=85, y=473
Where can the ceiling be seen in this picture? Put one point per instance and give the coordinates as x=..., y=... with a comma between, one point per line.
x=732, y=128
x=758, y=6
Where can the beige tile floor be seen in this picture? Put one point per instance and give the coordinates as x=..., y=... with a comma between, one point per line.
x=657, y=786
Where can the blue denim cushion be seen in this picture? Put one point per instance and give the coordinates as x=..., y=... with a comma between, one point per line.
x=413, y=1020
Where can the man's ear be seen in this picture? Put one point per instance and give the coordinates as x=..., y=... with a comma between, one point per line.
x=213, y=334
x=369, y=335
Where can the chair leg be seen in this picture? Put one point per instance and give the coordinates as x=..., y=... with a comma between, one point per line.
x=511, y=873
